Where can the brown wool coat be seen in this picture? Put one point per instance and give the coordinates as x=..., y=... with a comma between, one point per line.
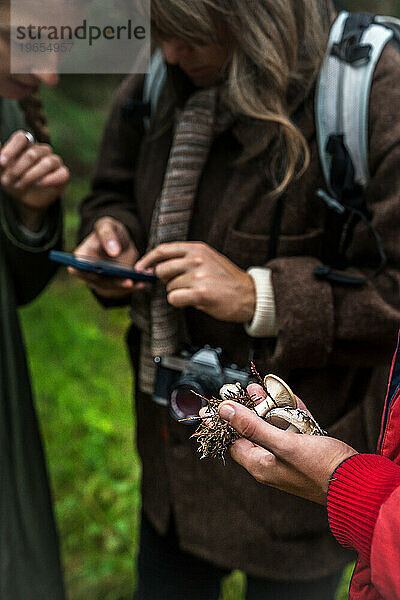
x=333, y=343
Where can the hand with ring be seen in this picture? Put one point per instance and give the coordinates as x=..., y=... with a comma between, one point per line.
x=33, y=175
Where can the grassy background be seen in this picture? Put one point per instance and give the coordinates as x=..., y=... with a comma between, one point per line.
x=83, y=383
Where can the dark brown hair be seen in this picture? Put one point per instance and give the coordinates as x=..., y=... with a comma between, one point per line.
x=35, y=117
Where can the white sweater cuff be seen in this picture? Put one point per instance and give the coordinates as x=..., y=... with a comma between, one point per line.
x=264, y=320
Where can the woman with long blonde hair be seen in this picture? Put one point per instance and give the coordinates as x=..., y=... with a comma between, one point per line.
x=217, y=193
x=32, y=178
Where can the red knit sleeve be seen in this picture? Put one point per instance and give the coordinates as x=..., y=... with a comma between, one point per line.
x=358, y=489
x=385, y=551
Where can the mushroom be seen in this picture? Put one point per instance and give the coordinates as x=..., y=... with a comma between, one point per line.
x=230, y=391
x=279, y=395
x=294, y=419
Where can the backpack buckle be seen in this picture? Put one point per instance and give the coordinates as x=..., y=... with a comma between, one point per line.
x=351, y=51
x=331, y=202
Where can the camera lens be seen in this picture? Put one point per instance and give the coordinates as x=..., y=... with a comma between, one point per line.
x=185, y=403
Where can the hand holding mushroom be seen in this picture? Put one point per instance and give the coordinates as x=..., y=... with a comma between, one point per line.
x=273, y=401
x=298, y=464
x=270, y=447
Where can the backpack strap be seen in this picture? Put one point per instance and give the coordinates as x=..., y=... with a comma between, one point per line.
x=355, y=45
x=153, y=85
x=392, y=23
x=342, y=100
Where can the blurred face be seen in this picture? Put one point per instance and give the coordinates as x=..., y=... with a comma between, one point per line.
x=203, y=64
x=16, y=86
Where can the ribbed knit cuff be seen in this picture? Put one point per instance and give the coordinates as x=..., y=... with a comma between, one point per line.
x=264, y=320
x=33, y=238
x=357, y=490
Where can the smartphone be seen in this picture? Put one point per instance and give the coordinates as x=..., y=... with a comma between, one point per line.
x=107, y=268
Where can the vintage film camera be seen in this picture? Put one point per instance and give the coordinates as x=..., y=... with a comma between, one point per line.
x=202, y=372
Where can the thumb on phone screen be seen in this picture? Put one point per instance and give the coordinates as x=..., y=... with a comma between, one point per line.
x=112, y=235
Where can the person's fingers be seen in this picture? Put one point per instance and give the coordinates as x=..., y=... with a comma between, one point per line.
x=43, y=167
x=302, y=406
x=204, y=412
x=89, y=277
x=162, y=253
x=25, y=161
x=73, y=272
x=260, y=463
x=112, y=284
x=58, y=178
x=99, y=282
x=108, y=237
x=182, y=281
x=184, y=297
x=89, y=247
x=13, y=147
x=170, y=269
x=256, y=392
x=249, y=425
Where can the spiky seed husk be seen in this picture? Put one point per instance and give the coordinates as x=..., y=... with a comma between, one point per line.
x=215, y=435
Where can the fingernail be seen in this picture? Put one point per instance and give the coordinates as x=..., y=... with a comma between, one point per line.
x=113, y=247
x=3, y=159
x=5, y=180
x=226, y=412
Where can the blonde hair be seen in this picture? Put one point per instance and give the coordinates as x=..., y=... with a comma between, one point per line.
x=276, y=51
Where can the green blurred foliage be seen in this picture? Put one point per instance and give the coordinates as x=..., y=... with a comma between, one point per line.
x=82, y=379
x=84, y=398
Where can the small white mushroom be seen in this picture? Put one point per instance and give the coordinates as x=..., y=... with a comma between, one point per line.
x=230, y=391
x=294, y=419
x=279, y=395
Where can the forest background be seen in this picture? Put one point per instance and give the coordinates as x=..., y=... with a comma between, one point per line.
x=82, y=379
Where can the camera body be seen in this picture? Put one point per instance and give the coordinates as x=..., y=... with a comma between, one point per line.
x=182, y=380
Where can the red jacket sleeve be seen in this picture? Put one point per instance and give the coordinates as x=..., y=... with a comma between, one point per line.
x=364, y=514
x=385, y=550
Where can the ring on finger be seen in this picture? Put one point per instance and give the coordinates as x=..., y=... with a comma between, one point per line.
x=30, y=137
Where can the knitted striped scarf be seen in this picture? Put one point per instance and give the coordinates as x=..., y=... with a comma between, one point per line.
x=199, y=122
